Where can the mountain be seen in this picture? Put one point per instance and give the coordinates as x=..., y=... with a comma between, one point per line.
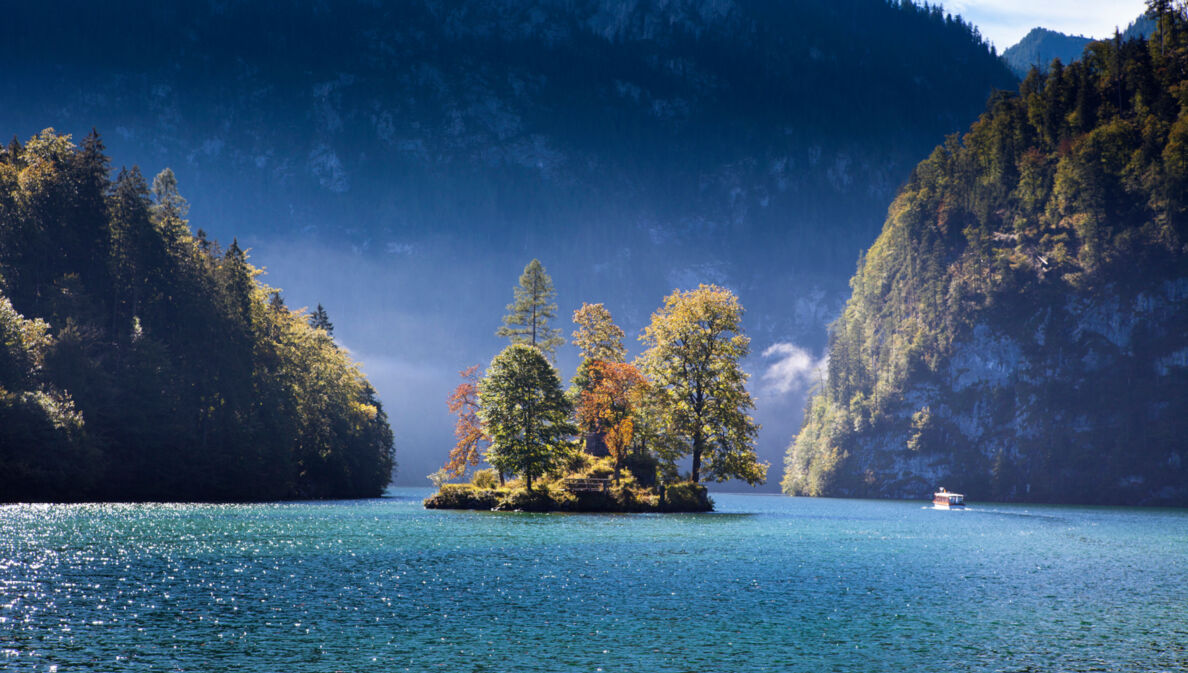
x=399, y=163
x=1019, y=329
x=1143, y=26
x=1040, y=46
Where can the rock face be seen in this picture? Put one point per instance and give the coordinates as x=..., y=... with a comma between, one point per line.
x=1019, y=331
x=1064, y=404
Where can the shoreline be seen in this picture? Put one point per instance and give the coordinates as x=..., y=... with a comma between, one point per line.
x=677, y=498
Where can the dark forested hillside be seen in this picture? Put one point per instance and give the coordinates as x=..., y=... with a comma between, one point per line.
x=141, y=362
x=1019, y=330
x=657, y=131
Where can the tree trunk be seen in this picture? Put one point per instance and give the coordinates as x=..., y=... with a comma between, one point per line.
x=698, y=439
x=528, y=479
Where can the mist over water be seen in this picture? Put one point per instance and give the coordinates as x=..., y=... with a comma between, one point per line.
x=767, y=583
x=413, y=320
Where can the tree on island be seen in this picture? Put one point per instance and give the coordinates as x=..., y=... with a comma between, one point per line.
x=527, y=321
x=598, y=339
x=608, y=407
x=525, y=413
x=597, y=336
x=469, y=427
x=695, y=346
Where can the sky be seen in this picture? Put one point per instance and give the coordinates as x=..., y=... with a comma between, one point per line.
x=1005, y=22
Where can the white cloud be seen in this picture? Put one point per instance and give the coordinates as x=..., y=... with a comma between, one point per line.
x=1005, y=22
x=794, y=369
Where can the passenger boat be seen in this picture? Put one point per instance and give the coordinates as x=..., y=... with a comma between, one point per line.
x=943, y=499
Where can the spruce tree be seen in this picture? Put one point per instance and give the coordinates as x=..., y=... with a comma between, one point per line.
x=170, y=208
x=238, y=283
x=319, y=319
x=527, y=321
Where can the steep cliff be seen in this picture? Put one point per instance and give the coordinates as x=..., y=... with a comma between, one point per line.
x=1019, y=330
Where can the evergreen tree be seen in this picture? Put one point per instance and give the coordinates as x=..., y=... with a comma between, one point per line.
x=527, y=321
x=169, y=207
x=525, y=413
x=139, y=258
x=89, y=219
x=168, y=202
x=1160, y=10
x=237, y=277
x=319, y=319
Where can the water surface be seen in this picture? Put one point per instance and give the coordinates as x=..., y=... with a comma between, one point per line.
x=765, y=584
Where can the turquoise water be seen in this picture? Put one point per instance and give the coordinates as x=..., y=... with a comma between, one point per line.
x=766, y=584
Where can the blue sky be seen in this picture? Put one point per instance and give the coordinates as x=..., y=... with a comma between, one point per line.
x=1004, y=22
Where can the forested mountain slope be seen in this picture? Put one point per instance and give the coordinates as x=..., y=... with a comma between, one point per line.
x=1019, y=330
x=141, y=362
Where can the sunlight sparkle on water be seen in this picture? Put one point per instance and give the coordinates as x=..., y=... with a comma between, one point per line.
x=767, y=583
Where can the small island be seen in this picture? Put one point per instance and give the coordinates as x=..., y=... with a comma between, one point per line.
x=612, y=442
x=588, y=490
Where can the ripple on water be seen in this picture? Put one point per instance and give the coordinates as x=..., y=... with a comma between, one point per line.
x=769, y=583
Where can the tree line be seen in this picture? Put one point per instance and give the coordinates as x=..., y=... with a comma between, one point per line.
x=140, y=360
x=684, y=397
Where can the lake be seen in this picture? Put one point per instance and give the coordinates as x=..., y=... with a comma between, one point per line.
x=767, y=583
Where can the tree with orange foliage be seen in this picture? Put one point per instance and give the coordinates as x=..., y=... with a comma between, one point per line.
x=469, y=428
x=608, y=406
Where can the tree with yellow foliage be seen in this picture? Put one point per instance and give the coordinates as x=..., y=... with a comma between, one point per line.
x=696, y=345
x=597, y=336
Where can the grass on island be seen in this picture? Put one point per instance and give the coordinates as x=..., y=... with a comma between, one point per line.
x=636, y=490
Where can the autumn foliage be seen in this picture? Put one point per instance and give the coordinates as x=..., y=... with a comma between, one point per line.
x=607, y=407
x=468, y=428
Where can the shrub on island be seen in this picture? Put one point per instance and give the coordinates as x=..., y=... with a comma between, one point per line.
x=553, y=496
x=464, y=496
